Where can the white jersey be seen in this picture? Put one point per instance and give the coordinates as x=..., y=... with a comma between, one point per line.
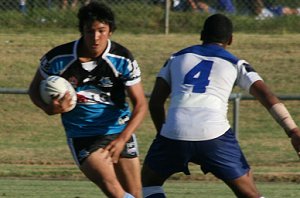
x=201, y=79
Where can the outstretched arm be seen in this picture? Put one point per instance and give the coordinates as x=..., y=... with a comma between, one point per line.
x=139, y=102
x=278, y=111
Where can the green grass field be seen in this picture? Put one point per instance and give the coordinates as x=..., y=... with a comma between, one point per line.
x=175, y=189
x=35, y=160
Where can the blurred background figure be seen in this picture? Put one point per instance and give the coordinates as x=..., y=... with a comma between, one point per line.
x=221, y=5
x=22, y=6
x=227, y=6
x=267, y=9
x=74, y=3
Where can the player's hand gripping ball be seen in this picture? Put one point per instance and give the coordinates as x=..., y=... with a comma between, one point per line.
x=56, y=87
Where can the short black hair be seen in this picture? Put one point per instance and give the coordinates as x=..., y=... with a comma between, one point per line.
x=217, y=29
x=96, y=11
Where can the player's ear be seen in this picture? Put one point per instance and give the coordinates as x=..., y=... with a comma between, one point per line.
x=230, y=40
x=201, y=36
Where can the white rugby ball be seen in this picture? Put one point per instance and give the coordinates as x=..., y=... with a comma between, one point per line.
x=56, y=87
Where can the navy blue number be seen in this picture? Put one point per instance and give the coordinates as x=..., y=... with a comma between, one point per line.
x=198, y=76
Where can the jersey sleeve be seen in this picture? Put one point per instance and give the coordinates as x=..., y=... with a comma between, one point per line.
x=133, y=74
x=164, y=72
x=123, y=64
x=58, y=59
x=246, y=75
x=44, y=67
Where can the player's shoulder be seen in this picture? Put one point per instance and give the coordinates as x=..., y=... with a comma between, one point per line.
x=209, y=50
x=120, y=50
x=60, y=50
x=194, y=49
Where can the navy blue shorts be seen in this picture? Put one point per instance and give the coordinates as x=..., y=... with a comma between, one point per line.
x=221, y=156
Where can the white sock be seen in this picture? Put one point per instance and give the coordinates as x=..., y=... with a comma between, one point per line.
x=152, y=190
x=127, y=195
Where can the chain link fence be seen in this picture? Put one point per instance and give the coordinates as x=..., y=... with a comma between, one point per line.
x=157, y=16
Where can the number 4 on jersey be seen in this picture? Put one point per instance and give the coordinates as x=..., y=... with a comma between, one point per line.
x=198, y=76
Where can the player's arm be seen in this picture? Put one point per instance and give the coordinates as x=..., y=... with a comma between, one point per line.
x=159, y=95
x=138, y=100
x=56, y=107
x=34, y=92
x=139, y=103
x=278, y=111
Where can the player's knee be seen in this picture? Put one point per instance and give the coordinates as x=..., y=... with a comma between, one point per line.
x=153, y=192
x=135, y=193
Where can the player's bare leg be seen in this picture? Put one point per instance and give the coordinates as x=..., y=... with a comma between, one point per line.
x=128, y=171
x=99, y=168
x=244, y=186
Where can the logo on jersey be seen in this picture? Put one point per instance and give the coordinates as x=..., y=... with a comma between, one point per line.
x=45, y=64
x=136, y=72
x=105, y=82
x=94, y=96
x=123, y=119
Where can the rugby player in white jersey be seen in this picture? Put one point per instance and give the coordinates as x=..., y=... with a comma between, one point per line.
x=199, y=80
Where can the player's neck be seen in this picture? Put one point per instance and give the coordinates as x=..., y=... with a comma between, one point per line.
x=215, y=43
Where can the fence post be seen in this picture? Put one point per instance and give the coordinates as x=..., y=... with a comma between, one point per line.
x=4, y=90
x=167, y=14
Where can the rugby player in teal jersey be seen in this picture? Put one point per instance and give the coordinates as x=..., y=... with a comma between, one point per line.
x=101, y=128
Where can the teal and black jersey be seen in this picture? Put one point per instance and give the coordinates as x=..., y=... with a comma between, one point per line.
x=100, y=85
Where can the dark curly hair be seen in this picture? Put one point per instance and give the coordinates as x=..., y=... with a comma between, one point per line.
x=96, y=11
x=217, y=29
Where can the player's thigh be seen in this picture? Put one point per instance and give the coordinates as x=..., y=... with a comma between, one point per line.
x=98, y=166
x=244, y=186
x=128, y=171
x=222, y=157
x=165, y=157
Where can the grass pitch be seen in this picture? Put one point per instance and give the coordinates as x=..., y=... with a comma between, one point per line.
x=33, y=144
x=84, y=189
